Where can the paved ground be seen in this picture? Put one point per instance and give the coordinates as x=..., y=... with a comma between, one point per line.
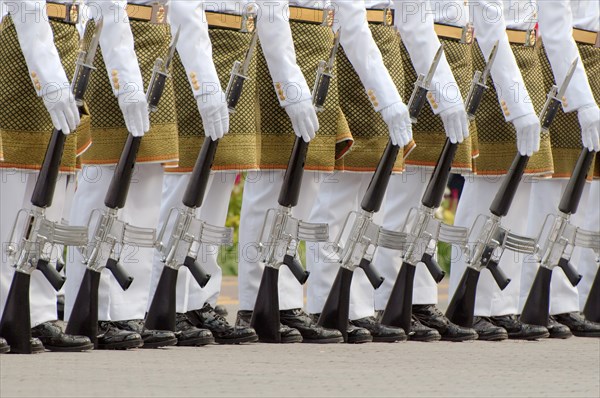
x=546, y=368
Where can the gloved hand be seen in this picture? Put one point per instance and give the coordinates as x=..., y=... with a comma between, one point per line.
x=455, y=123
x=214, y=114
x=528, y=134
x=304, y=119
x=398, y=121
x=62, y=109
x=589, y=120
x=135, y=112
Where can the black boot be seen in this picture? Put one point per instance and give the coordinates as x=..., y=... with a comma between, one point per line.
x=288, y=335
x=487, y=331
x=189, y=335
x=311, y=332
x=4, y=347
x=579, y=326
x=152, y=338
x=380, y=333
x=223, y=332
x=52, y=337
x=358, y=335
x=420, y=332
x=558, y=330
x=430, y=316
x=110, y=337
x=518, y=330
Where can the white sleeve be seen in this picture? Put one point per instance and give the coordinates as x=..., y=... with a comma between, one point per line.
x=555, y=20
x=37, y=43
x=362, y=52
x=194, y=47
x=116, y=43
x=490, y=27
x=418, y=35
x=278, y=47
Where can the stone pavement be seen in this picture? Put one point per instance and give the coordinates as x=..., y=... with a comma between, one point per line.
x=547, y=368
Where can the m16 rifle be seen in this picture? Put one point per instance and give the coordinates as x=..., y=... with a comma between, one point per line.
x=423, y=230
x=282, y=232
x=38, y=235
x=189, y=233
x=558, y=245
x=360, y=236
x=490, y=238
x=591, y=310
x=110, y=232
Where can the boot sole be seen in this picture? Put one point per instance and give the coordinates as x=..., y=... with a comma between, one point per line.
x=123, y=345
x=389, y=339
x=360, y=340
x=284, y=340
x=583, y=334
x=159, y=344
x=333, y=340
x=81, y=348
x=560, y=335
x=4, y=350
x=494, y=337
x=196, y=342
x=239, y=340
x=459, y=339
x=532, y=337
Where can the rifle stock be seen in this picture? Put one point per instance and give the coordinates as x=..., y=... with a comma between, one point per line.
x=376, y=190
x=398, y=311
x=161, y=314
x=537, y=306
x=15, y=325
x=591, y=310
x=84, y=318
x=462, y=305
x=336, y=309
x=265, y=317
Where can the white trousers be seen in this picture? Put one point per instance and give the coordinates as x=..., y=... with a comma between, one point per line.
x=261, y=191
x=545, y=197
x=142, y=210
x=404, y=192
x=339, y=193
x=586, y=259
x=213, y=211
x=477, y=196
x=17, y=187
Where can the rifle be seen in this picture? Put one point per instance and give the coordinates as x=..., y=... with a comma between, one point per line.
x=281, y=232
x=491, y=238
x=360, y=236
x=558, y=245
x=591, y=310
x=110, y=232
x=188, y=232
x=38, y=235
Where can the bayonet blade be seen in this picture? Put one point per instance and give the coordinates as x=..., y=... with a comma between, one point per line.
x=91, y=52
x=172, y=48
x=334, y=49
x=490, y=63
x=565, y=83
x=434, y=65
x=248, y=59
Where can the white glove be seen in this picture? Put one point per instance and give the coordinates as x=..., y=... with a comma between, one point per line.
x=135, y=112
x=589, y=120
x=62, y=109
x=214, y=113
x=528, y=134
x=455, y=123
x=398, y=121
x=304, y=119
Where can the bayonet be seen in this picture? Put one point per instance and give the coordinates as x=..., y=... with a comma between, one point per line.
x=422, y=87
x=325, y=75
x=478, y=85
x=238, y=75
x=555, y=98
x=85, y=65
x=249, y=53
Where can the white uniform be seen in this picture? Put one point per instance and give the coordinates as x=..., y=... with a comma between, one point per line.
x=143, y=202
x=37, y=43
x=556, y=21
x=415, y=22
x=478, y=192
x=196, y=55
